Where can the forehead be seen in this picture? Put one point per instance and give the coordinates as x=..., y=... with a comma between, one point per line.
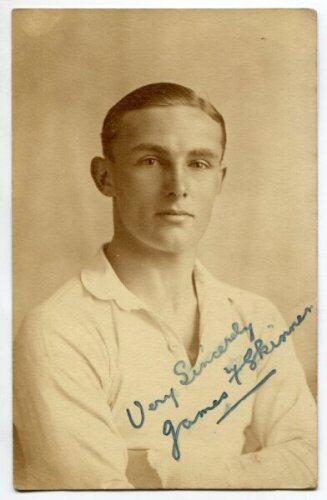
x=172, y=127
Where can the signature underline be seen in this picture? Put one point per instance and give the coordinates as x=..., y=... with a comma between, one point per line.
x=246, y=395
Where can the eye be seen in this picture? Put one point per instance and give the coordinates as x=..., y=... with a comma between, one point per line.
x=149, y=161
x=200, y=164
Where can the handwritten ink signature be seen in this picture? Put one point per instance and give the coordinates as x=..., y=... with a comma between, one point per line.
x=252, y=357
x=169, y=429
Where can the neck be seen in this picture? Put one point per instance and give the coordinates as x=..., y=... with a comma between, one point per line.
x=160, y=279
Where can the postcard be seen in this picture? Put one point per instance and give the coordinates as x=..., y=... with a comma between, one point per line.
x=164, y=226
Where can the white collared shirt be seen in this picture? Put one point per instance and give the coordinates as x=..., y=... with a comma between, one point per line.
x=94, y=350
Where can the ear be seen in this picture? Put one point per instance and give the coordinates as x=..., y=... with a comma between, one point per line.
x=101, y=171
x=222, y=174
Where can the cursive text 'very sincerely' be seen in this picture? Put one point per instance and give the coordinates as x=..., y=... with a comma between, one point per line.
x=151, y=407
x=181, y=368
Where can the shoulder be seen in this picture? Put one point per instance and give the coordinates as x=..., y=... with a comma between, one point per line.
x=64, y=335
x=250, y=305
x=69, y=317
x=247, y=299
x=66, y=304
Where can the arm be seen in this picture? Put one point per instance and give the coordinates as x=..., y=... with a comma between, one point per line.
x=283, y=423
x=65, y=427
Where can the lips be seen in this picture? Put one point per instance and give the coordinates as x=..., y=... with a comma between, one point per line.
x=175, y=212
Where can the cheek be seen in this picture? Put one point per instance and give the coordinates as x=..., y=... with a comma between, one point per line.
x=134, y=200
x=137, y=190
x=207, y=193
x=205, y=208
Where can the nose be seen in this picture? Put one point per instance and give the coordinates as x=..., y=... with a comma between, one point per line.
x=176, y=185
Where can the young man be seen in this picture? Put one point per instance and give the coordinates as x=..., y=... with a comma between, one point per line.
x=145, y=371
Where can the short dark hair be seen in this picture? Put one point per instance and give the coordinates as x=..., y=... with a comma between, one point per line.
x=153, y=95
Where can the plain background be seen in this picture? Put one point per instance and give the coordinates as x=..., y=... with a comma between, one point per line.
x=257, y=67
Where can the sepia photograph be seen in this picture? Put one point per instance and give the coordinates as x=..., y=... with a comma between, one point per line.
x=164, y=249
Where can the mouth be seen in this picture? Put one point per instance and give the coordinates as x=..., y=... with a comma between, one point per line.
x=179, y=217
x=175, y=213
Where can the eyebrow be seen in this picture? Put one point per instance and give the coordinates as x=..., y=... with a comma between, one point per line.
x=149, y=147
x=208, y=153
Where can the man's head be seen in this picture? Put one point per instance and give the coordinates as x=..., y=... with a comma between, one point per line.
x=163, y=148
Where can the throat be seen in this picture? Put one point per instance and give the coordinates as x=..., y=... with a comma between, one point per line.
x=192, y=342
x=186, y=325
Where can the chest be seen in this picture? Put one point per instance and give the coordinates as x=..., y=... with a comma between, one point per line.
x=186, y=325
x=152, y=390
x=147, y=357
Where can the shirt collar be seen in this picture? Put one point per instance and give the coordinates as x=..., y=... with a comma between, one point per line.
x=100, y=279
x=210, y=290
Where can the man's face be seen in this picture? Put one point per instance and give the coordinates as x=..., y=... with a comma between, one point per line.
x=165, y=176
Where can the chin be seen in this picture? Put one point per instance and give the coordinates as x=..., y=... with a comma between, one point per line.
x=173, y=241
x=175, y=245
